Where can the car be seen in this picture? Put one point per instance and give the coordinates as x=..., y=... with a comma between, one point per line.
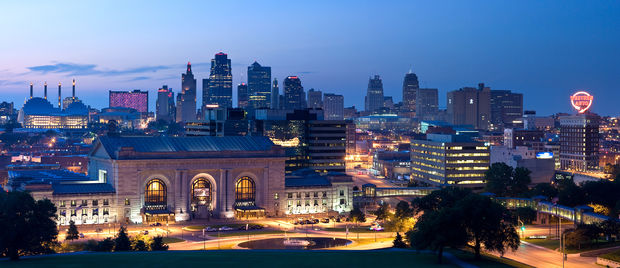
x=145, y=232
x=81, y=235
x=256, y=227
x=156, y=224
x=325, y=220
x=315, y=221
x=338, y=219
x=226, y=228
x=210, y=229
x=99, y=230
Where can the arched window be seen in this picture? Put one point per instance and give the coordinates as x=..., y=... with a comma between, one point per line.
x=201, y=192
x=245, y=190
x=155, y=193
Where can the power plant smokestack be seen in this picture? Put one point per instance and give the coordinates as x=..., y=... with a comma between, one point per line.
x=59, y=94
x=73, y=90
x=45, y=90
x=31, y=90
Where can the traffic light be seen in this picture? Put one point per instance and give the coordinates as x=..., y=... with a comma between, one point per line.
x=523, y=228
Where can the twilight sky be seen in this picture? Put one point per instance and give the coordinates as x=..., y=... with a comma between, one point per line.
x=544, y=49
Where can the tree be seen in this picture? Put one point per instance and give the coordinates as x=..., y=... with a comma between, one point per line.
x=158, y=244
x=544, y=189
x=383, y=212
x=525, y=214
x=141, y=242
x=28, y=226
x=398, y=241
x=610, y=228
x=503, y=180
x=139, y=246
x=357, y=215
x=121, y=242
x=445, y=197
x=569, y=194
x=105, y=245
x=488, y=224
x=72, y=232
x=403, y=210
x=436, y=230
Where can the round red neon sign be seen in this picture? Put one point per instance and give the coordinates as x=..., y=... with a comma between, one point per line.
x=581, y=101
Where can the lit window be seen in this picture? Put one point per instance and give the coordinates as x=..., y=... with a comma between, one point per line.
x=155, y=193
x=245, y=190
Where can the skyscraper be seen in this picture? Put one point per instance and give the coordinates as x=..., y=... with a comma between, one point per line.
x=426, y=103
x=470, y=106
x=186, y=99
x=315, y=99
x=259, y=86
x=294, y=96
x=165, y=108
x=136, y=99
x=579, y=142
x=410, y=87
x=275, y=95
x=333, y=106
x=374, y=94
x=220, y=82
x=242, y=95
x=506, y=107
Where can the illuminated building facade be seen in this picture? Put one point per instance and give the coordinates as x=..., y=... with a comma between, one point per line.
x=259, y=86
x=310, y=193
x=579, y=142
x=426, y=103
x=186, y=99
x=333, y=106
x=506, y=108
x=294, y=96
x=451, y=160
x=219, y=90
x=136, y=99
x=410, y=87
x=470, y=106
x=165, y=108
x=374, y=95
x=39, y=113
x=243, y=97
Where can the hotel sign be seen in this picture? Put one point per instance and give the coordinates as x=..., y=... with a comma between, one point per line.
x=581, y=101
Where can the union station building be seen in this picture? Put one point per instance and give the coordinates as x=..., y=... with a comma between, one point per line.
x=166, y=179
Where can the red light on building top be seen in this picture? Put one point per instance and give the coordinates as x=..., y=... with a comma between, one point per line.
x=581, y=101
x=292, y=77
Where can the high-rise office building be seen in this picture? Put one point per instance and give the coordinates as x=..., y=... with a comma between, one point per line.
x=374, y=94
x=410, y=87
x=219, y=89
x=506, y=107
x=242, y=95
x=579, y=142
x=333, y=106
x=470, y=106
x=427, y=105
x=186, y=99
x=275, y=95
x=165, y=108
x=315, y=99
x=259, y=86
x=449, y=160
x=294, y=95
x=136, y=99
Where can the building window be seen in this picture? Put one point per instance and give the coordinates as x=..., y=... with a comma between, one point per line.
x=155, y=193
x=341, y=192
x=298, y=195
x=316, y=202
x=275, y=196
x=95, y=202
x=73, y=212
x=307, y=203
x=106, y=202
x=342, y=202
x=290, y=195
x=201, y=192
x=324, y=194
x=63, y=213
x=299, y=203
x=290, y=203
x=307, y=194
x=84, y=212
x=84, y=203
x=316, y=194
x=127, y=202
x=103, y=175
x=63, y=203
x=95, y=212
x=73, y=203
x=106, y=211
x=324, y=202
x=245, y=190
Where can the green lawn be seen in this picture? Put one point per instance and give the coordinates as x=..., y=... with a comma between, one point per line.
x=614, y=256
x=238, y=258
x=555, y=244
x=170, y=240
x=487, y=261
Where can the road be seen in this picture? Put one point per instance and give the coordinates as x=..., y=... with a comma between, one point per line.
x=359, y=180
x=542, y=257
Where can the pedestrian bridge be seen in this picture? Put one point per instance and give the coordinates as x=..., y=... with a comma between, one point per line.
x=580, y=214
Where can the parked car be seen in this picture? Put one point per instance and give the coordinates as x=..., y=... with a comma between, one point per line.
x=210, y=229
x=226, y=228
x=145, y=232
x=325, y=220
x=156, y=224
x=81, y=235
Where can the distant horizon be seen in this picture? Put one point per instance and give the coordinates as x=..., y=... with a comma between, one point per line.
x=544, y=50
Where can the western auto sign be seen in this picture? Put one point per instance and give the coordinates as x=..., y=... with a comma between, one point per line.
x=581, y=101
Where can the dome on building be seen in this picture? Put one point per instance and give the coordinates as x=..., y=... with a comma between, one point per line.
x=77, y=108
x=38, y=106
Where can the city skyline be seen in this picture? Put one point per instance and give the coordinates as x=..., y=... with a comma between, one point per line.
x=571, y=50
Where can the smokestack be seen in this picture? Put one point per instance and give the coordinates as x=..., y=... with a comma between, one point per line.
x=59, y=98
x=73, y=90
x=31, y=90
x=45, y=90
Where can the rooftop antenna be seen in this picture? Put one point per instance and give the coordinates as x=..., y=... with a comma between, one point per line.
x=73, y=89
x=45, y=90
x=31, y=90
x=59, y=95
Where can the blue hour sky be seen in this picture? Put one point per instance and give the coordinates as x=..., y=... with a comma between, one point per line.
x=544, y=49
